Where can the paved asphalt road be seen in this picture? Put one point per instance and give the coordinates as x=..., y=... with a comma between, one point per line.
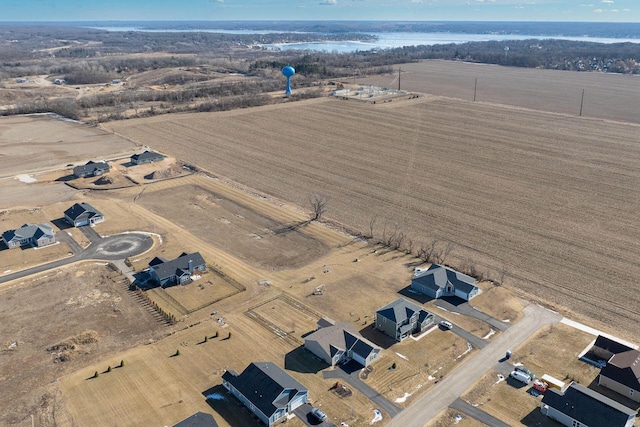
x=448, y=390
x=109, y=248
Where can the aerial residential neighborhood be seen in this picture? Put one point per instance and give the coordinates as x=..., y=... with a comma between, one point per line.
x=220, y=224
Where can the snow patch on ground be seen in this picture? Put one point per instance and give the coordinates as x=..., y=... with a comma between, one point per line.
x=26, y=178
x=403, y=398
x=402, y=356
x=491, y=332
x=469, y=348
x=507, y=320
x=377, y=416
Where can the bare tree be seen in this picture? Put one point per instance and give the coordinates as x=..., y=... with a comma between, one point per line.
x=410, y=246
x=318, y=204
x=444, y=253
x=372, y=224
x=504, y=272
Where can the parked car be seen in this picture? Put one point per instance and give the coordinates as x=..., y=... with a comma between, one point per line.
x=520, y=376
x=321, y=416
x=525, y=371
x=446, y=324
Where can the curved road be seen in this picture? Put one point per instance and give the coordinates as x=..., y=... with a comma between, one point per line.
x=110, y=248
x=448, y=390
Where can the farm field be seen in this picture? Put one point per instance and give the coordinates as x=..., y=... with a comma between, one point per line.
x=607, y=96
x=52, y=142
x=550, y=198
x=57, y=323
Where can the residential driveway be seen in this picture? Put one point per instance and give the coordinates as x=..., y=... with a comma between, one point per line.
x=478, y=414
x=474, y=340
x=110, y=248
x=63, y=236
x=304, y=413
x=354, y=381
x=443, y=394
x=468, y=310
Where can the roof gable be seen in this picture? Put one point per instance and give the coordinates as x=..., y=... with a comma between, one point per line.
x=266, y=385
x=587, y=406
x=29, y=231
x=400, y=311
x=437, y=277
x=81, y=209
x=176, y=267
x=624, y=368
x=340, y=338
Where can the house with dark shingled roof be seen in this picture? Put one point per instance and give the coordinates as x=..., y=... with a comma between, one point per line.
x=337, y=343
x=29, y=234
x=622, y=374
x=177, y=271
x=146, y=157
x=439, y=281
x=83, y=214
x=268, y=391
x=580, y=406
x=91, y=169
x=402, y=318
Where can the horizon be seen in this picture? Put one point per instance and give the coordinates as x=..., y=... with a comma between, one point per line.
x=59, y=11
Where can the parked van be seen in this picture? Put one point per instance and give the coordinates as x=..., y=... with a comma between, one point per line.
x=520, y=376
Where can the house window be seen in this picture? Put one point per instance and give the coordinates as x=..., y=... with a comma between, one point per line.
x=576, y=423
x=631, y=392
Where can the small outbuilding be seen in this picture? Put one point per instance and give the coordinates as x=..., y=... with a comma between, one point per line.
x=439, y=281
x=266, y=390
x=402, y=318
x=146, y=157
x=29, y=234
x=83, y=214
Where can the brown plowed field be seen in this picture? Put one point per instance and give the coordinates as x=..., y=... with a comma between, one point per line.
x=553, y=198
x=607, y=96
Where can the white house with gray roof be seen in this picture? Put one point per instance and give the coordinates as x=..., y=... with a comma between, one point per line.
x=402, y=318
x=266, y=390
x=579, y=406
x=439, y=281
x=337, y=343
x=91, y=169
x=81, y=214
x=29, y=234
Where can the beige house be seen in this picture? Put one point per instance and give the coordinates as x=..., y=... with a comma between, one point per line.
x=622, y=374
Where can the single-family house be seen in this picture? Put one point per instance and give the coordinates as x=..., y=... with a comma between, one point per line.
x=439, y=281
x=146, y=157
x=177, y=271
x=83, y=214
x=268, y=391
x=337, y=343
x=580, y=406
x=29, y=234
x=402, y=318
x=622, y=374
x=91, y=169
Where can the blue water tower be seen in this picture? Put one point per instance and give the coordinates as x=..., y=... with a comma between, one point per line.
x=288, y=72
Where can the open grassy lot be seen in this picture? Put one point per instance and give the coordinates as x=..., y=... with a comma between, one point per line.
x=607, y=96
x=236, y=228
x=528, y=191
x=129, y=395
x=33, y=142
x=498, y=302
x=57, y=323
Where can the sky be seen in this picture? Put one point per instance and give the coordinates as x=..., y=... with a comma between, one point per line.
x=414, y=10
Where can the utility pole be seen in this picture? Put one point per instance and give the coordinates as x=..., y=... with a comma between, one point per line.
x=399, y=71
x=581, y=102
